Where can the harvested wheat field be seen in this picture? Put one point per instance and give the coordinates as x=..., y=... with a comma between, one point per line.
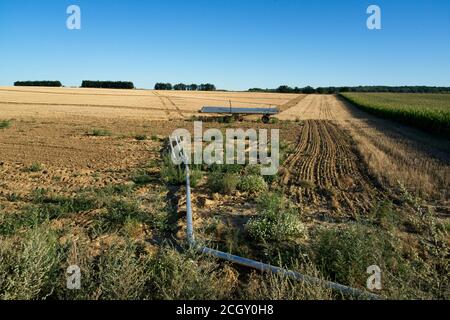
x=91, y=166
x=116, y=104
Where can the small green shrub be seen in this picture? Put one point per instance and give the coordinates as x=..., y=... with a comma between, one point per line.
x=35, y=167
x=141, y=137
x=5, y=124
x=225, y=183
x=252, y=184
x=277, y=220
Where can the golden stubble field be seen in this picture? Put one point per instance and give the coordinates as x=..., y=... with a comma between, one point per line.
x=118, y=104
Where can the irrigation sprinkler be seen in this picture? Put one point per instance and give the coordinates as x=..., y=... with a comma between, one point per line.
x=257, y=265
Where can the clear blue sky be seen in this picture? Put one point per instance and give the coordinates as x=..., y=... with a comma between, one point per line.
x=235, y=44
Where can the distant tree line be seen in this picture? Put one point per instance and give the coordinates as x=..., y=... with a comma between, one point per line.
x=332, y=90
x=185, y=87
x=107, y=84
x=37, y=84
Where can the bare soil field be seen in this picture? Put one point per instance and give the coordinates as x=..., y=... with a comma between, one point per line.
x=342, y=169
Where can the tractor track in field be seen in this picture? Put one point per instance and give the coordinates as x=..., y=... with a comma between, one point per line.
x=166, y=108
x=177, y=109
x=291, y=103
x=175, y=106
x=325, y=171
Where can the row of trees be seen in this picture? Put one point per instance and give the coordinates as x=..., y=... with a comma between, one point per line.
x=332, y=90
x=185, y=87
x=44, y=83
x=107, y=84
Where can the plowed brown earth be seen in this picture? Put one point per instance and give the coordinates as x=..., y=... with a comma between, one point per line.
x=324, y=171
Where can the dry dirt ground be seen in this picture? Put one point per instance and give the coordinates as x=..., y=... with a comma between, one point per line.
x=342, y=161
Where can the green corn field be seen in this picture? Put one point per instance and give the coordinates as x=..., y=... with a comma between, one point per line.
x=429, y=112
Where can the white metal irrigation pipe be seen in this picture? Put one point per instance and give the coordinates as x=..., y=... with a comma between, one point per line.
x=263, y=267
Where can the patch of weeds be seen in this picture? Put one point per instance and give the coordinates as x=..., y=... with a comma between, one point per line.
x=176, y=175
x=196, y=175
x=252, y=184
x=227, y=119
x=226, y=168
x=9, y=223
x=5, y=124
x=154, y=138
x=123, y=273
x=132, y=227
x=252, y=170
x=54, y=205
x=117, y=213
x=224, y=183
x=100, y=133
x=176, y=276
x=12, y=197
x=277, y=220
x=141, y=177
x=140, y=137
x=76, y=252
x=29, y=217
x=274, y=120
x=270, y=286
x=256, y=170
x=30, y=266
x=344, y=254
x=115, y=190
x=35, y=167
x=385, y=216
x=172, y=174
